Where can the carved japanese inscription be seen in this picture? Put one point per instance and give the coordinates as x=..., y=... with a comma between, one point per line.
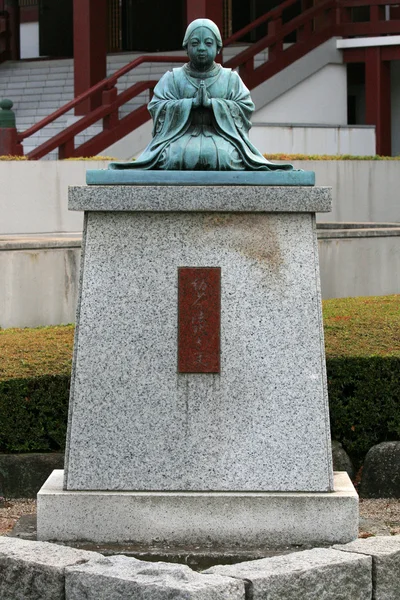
x=199, y=319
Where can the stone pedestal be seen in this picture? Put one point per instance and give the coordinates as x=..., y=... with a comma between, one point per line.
x=191, y=457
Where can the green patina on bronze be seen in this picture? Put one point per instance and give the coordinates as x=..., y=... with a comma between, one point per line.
x=7, y=116
x=201, y=114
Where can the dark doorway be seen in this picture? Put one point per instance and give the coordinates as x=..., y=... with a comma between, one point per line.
x=245, y=12
x=152, y=26
x=356, y=93
x=56, y=28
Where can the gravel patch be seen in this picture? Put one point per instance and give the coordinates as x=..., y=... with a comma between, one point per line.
x=12, y=510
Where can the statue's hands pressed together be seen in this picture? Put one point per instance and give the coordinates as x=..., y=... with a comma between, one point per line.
x=206, y=102
x=198, y=98
x=201, y=98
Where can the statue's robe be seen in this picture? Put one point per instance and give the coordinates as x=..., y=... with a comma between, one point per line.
x=188, y=138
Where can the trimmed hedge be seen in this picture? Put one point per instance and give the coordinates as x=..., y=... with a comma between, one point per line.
x=33, y=413
x=364, y=401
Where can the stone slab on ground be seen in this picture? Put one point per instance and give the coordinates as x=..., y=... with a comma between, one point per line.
x=154, y=177
x=214, y=519
x=180, y=198
x=381, y=471
x=120, y=577
x=385, y=553
x=309, y=575
x=247, y=428
x=36, y=570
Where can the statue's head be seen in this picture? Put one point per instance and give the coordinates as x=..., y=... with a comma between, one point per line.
x=202, y=42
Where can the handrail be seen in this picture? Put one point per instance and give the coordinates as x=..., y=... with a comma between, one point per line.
x=99, y=113
x=277, y=12
x=106, y=84
x=312, y=27
x=284, y=30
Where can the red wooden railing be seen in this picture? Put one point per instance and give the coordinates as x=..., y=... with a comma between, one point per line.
x=311, y=28
x=113, y=127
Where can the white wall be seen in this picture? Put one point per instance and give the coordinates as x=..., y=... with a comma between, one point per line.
x=321, y=98
x=33, y=194
x=38, y=286
x=363, y=190
x=297, y=139
x=29, y=33
x=275, y=139
x=395, y=77
x=359, y=266
x=40, y=279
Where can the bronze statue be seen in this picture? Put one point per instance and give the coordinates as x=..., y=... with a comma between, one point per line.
x=201, y=114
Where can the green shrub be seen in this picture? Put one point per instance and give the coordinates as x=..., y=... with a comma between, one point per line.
x=364, y=401
x=33, y=413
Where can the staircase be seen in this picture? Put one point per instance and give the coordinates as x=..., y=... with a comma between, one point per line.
x=41, y=88
x=38, y=88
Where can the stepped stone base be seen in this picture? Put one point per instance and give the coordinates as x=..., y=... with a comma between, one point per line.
x=220, y=519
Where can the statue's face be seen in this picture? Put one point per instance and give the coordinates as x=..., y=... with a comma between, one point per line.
x=202, y=48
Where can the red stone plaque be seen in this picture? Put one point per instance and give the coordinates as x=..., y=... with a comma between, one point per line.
x=199, y=319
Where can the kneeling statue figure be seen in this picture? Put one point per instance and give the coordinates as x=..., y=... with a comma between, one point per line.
x=201, y=114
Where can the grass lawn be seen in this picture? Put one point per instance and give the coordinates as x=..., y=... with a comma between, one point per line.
x=362, y=327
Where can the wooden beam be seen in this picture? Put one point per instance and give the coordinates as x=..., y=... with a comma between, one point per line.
x=205, y=9
x=90, y=50
x=377, y=99
x=12, y=7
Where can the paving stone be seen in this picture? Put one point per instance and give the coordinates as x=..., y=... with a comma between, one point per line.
x=385, y=553
x=381, y=472
x=35, y=570
x=309, y=575
x=120, y=578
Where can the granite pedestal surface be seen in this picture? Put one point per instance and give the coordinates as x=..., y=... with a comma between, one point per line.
x=138, y=426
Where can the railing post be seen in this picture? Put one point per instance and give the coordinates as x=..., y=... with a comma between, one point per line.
x=66, y=150
x=275, y=49
x=108, y=97
x=376, y=13
x=377, y=99
x=343, y=15
x=246, y=71
x=304, y=32
x=9, y=145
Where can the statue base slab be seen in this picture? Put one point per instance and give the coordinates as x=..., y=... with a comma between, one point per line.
x=240, y=520
x=149, y=177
